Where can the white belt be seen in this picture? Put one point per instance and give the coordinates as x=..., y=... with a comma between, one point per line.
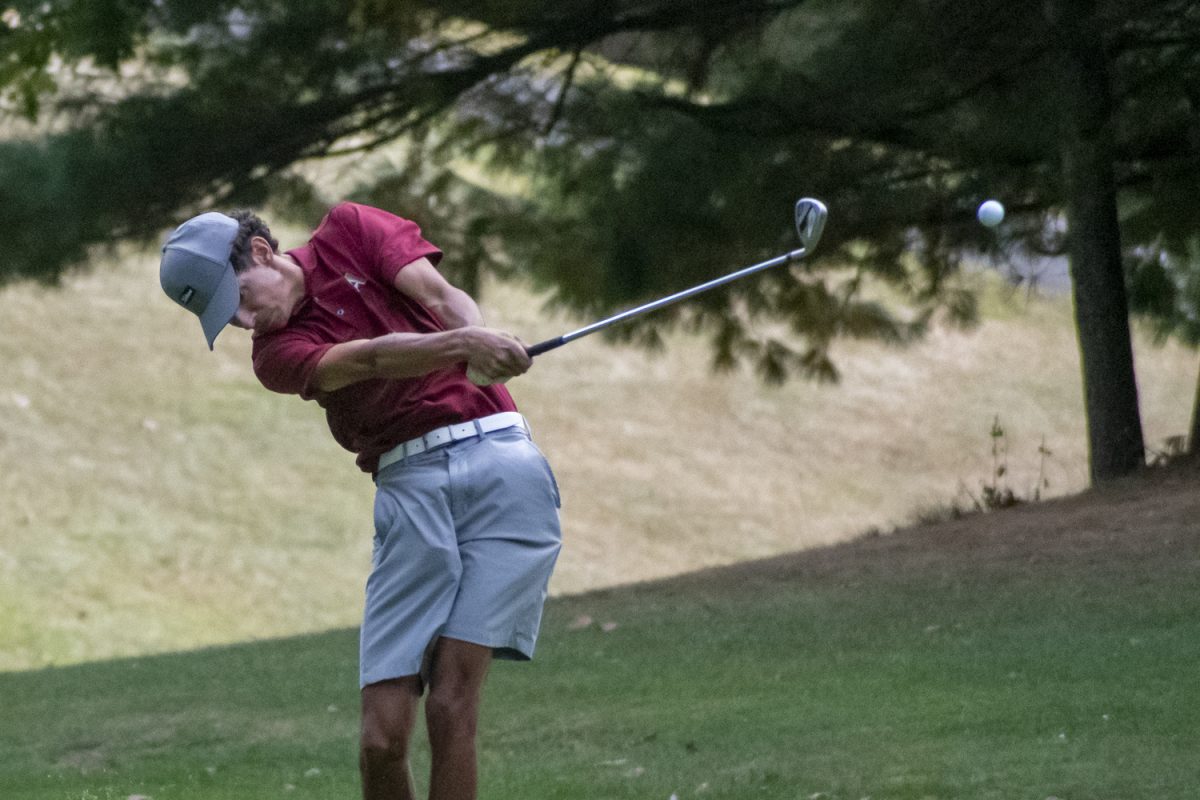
x=452, y=433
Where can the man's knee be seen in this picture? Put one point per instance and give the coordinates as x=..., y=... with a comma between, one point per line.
x=452, y=708
x=387, y=721
x=383, y=745
x=459, y=670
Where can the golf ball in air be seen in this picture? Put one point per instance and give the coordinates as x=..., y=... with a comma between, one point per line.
x=990, y=213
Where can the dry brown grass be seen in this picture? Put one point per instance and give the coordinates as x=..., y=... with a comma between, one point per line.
x=155, y=497
x=667, y=467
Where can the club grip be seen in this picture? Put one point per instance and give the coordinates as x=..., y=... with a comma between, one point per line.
x=542, y=347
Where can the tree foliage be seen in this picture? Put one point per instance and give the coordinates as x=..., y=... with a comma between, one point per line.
x=656, y=143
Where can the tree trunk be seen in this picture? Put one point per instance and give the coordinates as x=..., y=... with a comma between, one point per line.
x=1115, y=442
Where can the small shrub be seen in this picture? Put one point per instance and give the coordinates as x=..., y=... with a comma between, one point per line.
x=995, y=492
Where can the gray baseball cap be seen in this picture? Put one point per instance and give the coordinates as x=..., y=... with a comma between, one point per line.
x=196, y=271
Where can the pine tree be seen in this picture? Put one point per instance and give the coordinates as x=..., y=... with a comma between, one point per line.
x=658, y=143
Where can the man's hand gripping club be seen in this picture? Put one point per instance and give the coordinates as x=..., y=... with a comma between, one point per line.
x=495, y=356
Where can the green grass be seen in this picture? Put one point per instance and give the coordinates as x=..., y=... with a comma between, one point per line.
x=1049, y=651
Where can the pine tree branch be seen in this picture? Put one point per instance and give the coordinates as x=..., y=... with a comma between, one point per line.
x=560, y=102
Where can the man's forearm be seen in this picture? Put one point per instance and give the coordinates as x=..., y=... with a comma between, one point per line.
x=408, y=355
x=395, y=355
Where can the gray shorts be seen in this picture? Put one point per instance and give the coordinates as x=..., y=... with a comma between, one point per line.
x=466, y=537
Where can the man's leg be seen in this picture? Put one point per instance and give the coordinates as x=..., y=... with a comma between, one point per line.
x=452, y=716
x=389, y=710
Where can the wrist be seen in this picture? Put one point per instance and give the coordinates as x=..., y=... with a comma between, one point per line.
x=465, y=342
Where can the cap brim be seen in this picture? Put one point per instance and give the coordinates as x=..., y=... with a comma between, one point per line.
x=221, y=308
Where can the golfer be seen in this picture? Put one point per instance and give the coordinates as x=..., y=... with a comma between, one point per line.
x=466, y=507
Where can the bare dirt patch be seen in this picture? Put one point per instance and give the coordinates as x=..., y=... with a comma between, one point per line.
x=1149, y=521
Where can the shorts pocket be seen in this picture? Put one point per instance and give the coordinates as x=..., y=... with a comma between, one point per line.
x=550, y=475
x=385, y=514
x=525, y=452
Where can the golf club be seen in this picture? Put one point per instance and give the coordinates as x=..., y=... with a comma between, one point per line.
x=810, y=222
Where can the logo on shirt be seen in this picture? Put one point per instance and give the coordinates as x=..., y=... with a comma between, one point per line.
x=357, y=283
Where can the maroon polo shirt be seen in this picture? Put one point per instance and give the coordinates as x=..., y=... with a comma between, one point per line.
x=350, y=265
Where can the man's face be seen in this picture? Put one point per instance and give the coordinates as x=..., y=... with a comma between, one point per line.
x=265, y=302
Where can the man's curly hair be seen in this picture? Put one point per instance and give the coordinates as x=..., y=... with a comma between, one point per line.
x=249, y=226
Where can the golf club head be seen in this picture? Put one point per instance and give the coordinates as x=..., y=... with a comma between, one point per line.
x=810, y=221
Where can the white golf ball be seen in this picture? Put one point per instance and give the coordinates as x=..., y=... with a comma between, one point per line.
x=991, y=213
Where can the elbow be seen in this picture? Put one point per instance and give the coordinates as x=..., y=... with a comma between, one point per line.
x=344, y=365
x=456, y=309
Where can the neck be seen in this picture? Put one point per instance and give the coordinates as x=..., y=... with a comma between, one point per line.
x=294, y=279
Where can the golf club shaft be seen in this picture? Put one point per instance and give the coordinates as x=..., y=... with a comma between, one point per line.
x=559, y=341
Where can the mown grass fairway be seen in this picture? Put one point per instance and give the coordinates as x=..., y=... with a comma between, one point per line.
x=1047, y=651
